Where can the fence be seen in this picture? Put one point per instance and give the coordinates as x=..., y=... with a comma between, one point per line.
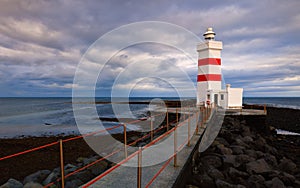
x=202, y=112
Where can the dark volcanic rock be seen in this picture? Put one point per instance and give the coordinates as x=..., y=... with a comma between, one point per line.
x=38, y=176
x=275, y=183
x=256, y=181
x=233, y=173
x=287, y=165
x=258, y=166
x=12, y=183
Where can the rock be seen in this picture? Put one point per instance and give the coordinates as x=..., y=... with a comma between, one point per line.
x=247, y=139
x=258, y=166
x=12, y=183
x=224, y=150
x=84, y=176
x=256, y=181
x=224, y=184
x=215, y=174
x=251, y=153
x=87, y=161
x=212, y=160
x=271, y=174
x=246, y=131
x=244, y=159
x=233, y=173
x=80, y=159
x=51, y=177
x=236, y=150
x=222, y=141
x=241, y=143
x=203, y=181
x=260, y=154
x=70, y=168
x=287, y=179
x=230, y=160
x=287, y=165
x=260, y=143
x=275, y=183
x=33, y=185
x=73, y=183
x=271, y=159
x=37, y=177
x=98, y=168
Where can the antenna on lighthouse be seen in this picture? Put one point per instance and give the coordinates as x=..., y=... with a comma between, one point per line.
x=209, y=34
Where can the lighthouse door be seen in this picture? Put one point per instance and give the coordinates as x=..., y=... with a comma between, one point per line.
x=216, y=100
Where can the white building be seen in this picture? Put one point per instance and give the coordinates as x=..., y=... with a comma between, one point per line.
x=209, y=79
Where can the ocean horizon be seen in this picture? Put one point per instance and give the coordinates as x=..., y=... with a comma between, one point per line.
x=36, y=116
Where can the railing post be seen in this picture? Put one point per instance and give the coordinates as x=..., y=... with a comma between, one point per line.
x=139, y=169
x=62, y=163
x=177, y=115
x=189, y=131
x=125, y=141
x=151, y=127
x=197, y=122
x=265, y=108
x=175, y=146
x=167, y=119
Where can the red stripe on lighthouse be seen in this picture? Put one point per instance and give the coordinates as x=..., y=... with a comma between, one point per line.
x=209, y=61
x=209, y=77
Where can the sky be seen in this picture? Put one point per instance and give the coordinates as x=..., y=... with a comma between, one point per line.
x=42, y=43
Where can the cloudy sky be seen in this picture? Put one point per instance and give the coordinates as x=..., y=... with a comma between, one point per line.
x=42, y=43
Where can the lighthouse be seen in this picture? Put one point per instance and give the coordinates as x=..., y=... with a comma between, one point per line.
x=209, y=78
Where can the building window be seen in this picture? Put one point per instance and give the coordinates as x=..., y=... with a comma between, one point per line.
x=208, y=97
x=222, y=96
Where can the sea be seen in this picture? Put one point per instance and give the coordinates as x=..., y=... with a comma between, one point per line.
x=23, y=117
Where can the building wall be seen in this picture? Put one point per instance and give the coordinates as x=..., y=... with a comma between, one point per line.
x=235, y=97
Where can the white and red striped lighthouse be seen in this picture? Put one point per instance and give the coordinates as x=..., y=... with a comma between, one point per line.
x=209, y=69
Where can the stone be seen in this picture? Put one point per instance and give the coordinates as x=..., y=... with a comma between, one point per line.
x=251, y=153
x=84, y=176
x=37, y=177
x=87, y=161
x=230, y=160
x=233, y=173
x=247, y=139
x=215, y=174
x=222, y=141
x=258, y=166
x=33, y=185
x=260, y=154
x=256, y=181
x=271, y=159
x=70, y=168
x=203, y=181
x=224, y=150
x=12, y=183
x=212, y=160
x=51, y=177
x=224, y=184
x=275, y=183
x=287, y=178
x=287, y=165
x=98, y=167
x=73, y=183
x=236, y=150
x=241, y=143
x=244, y=159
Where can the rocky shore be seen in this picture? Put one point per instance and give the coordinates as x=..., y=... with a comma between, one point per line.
x=248, y=155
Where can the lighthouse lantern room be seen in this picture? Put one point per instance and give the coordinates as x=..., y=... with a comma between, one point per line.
x=209, y=78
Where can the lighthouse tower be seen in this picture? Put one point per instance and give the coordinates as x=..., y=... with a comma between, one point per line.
x=209, y=69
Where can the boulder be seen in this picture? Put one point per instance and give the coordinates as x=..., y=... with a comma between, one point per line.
x=84, y=176
x=256, y=181
x=70, y=168
x=12, y=183
x=234, y=173
x=224, y=184
x=258, y=166
x=37, y=177
x=247, y=139
x=224, y=150
x=236, y=150
x=87, y=161
x=215, y=174
x=251, y=153
x=275, y=183
x=230, y=160
x=287, y=179
x=73, y=183
x=242, y=159
x=33, y=185
x=98, y=167
x=212, y=160
x=52, y=177
x=203, y=181
x=270, y=159
x=287, y=165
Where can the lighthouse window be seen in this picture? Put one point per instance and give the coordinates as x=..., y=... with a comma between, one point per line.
x=222, y=97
